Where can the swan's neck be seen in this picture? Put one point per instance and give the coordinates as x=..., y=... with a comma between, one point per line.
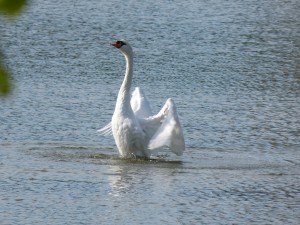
x=123, y=101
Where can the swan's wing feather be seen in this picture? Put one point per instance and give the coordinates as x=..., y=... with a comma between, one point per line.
x=169, y=132
x=140, y=104
x=106, y=131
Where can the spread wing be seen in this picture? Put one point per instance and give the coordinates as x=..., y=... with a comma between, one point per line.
x=169, y=131
x=140, y=104
x=162, y=129
x=106, y=130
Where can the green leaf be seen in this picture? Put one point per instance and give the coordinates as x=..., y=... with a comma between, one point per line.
x=12, y=7
x=5, y=85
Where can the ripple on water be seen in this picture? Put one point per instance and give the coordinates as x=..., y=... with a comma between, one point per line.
x=223, y=185
x=232, y=68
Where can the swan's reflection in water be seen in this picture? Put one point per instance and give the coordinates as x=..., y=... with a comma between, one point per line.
x=142, y=179
x=120, y=180
x=147, y=190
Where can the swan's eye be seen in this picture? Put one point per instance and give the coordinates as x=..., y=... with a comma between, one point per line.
x=119, y=44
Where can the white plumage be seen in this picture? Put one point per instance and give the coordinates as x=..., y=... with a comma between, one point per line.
x=135, y=129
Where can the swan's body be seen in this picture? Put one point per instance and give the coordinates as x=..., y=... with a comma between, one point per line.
x=135, y=129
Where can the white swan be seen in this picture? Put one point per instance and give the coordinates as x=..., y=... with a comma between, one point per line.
x=135, y=129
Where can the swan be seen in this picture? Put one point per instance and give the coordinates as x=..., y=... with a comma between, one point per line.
x=136, y=131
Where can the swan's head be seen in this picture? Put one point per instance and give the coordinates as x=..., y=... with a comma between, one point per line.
x=123, y=46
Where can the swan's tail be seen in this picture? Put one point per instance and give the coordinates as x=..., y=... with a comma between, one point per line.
x=105, y=131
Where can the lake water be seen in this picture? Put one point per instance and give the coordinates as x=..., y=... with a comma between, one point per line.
x=233, y=69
